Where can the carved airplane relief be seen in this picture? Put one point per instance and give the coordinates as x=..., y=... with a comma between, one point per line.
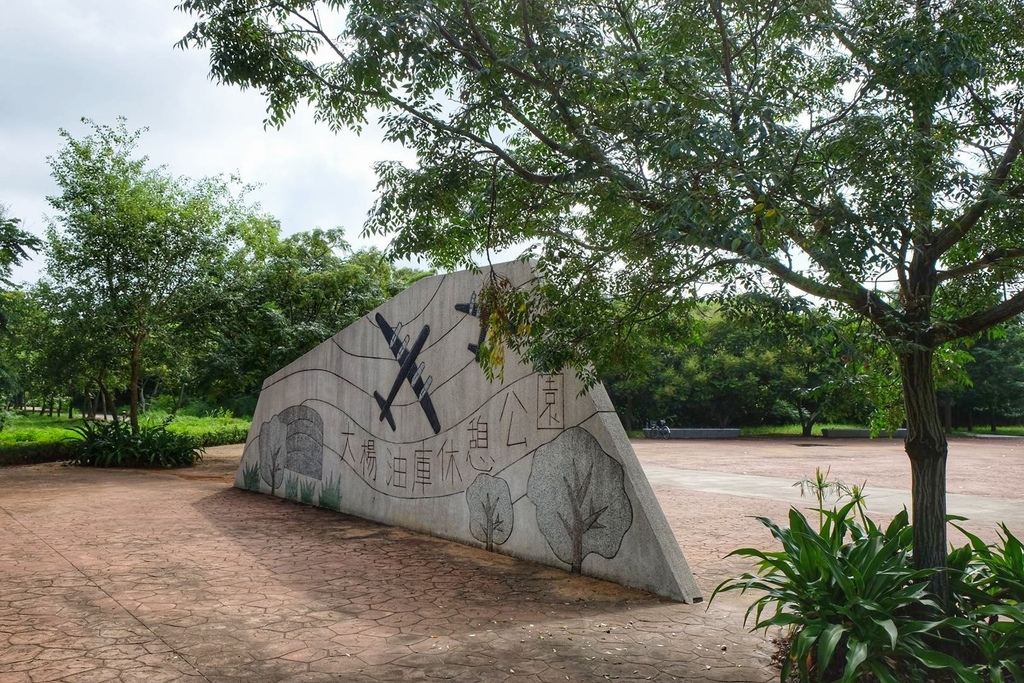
x=408, y=371
x=528, y=464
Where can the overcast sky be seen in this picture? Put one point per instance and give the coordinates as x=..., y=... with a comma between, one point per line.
x=61, y=60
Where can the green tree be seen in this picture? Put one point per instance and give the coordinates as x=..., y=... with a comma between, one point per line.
x=996, y=390
x=746, y=361
x=132, y=252
x=15, y=245
x=283, y=296
x=824, y=358
x=865, y=153
x=731, y=376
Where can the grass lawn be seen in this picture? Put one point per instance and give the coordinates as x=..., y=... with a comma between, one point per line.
x=985, y=431
x=32, y=437
x=794, y=430
x=775, y=430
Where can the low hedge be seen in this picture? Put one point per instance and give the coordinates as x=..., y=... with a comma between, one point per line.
x=55, y=445
x=34, y=453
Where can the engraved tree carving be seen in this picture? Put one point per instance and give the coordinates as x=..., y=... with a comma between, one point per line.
x=581, y=502
x=304, y=442
x=291, y=440
x=273, y=449
x=490, y=510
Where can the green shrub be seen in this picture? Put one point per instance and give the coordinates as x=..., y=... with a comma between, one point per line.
x=330, y=493
x=989, y=592
x=306, y=491
x=291, y=488
x=207, y=432
x=31, y=453
x=112, y=444
x=251, y=477
x=858, y=610
x=852, y=597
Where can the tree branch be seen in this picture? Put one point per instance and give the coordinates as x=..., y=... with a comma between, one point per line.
x=972, y=324
x=969, y=218
x=994, y=257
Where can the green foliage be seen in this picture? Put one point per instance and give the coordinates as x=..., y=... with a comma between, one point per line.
x=15, y=245
x=867, y=154
x=33, y=427
x=282, y=297
x=291, y=487
x=251, y=477
x=135, y=258
x=52, y=432
x=645, y=154
x=996, y=379
x=990, y=592
x=795, y=429
x=114, y=444
x=330, y=493
x=852, y=596
x=855, y=605
x=211, y=431
x=307, y=489
x=27, y=453
x=746, y=362
x=1000, y=567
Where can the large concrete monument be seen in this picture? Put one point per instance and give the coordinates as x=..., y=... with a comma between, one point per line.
x=393, y=420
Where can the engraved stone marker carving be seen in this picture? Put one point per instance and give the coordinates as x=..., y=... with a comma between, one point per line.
x=393, y=420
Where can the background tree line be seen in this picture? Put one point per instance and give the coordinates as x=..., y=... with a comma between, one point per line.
x=747, y=361
x=161, y=288
x=166, y=288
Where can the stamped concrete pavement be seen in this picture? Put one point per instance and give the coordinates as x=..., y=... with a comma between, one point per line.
x=118, y=575
x=115, y=575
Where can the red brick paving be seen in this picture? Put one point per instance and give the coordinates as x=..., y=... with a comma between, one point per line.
x=153, y=576
x=113, y=575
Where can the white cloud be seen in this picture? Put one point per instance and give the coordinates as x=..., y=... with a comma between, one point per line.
x=65, y=59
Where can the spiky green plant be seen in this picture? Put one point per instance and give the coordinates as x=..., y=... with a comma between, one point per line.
x=850, y=593
x=988, y=584
x=330, y=493
x=251, y=477
x=112, y=444
x=291, y=488
x=306, y=490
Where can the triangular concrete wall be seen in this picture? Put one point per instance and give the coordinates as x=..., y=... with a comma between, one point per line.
x=524, y=466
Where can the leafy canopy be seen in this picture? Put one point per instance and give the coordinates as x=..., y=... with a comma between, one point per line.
x=135, y=256
x=862, y=152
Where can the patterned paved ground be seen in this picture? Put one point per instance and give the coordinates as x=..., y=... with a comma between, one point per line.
x=148, y=576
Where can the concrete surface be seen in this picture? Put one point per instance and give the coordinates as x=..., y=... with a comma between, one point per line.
x=687, y=433
x=393, y=420
x=117, y=575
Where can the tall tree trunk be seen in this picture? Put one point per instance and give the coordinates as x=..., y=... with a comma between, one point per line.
x=806, y=421
x=927, y=447
x=178, y=400
x=136, y=378
x=108, y=401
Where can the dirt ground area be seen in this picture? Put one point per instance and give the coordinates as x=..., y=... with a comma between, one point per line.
x=980, y=466
x=709, y=526
x=126, y=575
